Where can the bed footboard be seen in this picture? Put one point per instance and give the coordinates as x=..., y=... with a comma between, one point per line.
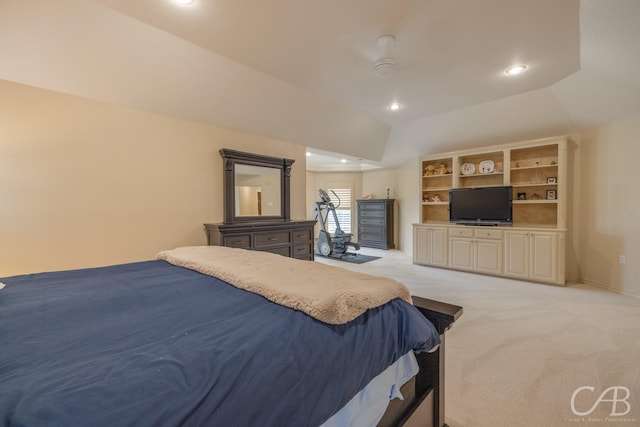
x=429, y=389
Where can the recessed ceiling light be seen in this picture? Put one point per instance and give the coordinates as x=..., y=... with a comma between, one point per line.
x=516, y=69
x=394, y=106
x=343, y=160
x=308, y=154
x=184, y=1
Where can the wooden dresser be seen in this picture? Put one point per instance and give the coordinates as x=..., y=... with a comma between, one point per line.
x=289, y=238
x=375, y=223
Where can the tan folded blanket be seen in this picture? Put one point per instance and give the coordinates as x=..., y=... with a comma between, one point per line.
x=330, y=294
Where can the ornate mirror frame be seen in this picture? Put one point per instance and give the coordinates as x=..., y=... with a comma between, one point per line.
x=233, y=157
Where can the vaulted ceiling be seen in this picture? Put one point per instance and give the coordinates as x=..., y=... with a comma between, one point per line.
x=302, y=70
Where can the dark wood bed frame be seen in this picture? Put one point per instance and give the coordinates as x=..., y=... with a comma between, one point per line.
x=424, y=397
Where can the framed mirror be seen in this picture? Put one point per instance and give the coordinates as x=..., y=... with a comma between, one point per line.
x=256, y=187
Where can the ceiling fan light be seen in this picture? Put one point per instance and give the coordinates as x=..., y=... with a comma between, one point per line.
x=516, y=69
x=384, y=67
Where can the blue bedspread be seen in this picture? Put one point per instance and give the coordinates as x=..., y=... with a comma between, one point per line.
x=151, y=344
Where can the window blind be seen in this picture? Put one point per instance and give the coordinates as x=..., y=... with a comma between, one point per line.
x=343, y=212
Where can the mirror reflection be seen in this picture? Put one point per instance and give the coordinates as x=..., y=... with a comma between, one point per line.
x=257, y=191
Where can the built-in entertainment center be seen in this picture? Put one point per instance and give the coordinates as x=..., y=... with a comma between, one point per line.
x=497, y=210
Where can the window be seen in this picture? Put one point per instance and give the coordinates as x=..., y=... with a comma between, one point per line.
x=343, y=212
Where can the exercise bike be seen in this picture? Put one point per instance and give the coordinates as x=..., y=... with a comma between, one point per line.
x=331, y=246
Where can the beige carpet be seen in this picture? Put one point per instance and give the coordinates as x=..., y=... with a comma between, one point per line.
x=521, y=349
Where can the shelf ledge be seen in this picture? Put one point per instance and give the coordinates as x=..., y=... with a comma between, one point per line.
x=542, y=184
x=531, y=202
x=482, y=174
x=439, y=175
x=532, y=167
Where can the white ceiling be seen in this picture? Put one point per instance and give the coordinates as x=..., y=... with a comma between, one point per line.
x=302, y=70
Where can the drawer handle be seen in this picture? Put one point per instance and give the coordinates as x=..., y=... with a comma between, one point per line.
x=271, y=239
x=238, y=241
x=301, y=235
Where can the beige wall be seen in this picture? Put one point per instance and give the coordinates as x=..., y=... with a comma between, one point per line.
x=606, y=207
x=85, y=183
x=408, y=196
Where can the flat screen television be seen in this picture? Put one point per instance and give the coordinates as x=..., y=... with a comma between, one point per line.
x=481, y=206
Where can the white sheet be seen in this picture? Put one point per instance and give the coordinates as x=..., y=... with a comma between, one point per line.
x=367, y=407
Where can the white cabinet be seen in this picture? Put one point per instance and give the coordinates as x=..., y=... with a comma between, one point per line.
x=430, y=245
x=478, y=250
x=534, y=255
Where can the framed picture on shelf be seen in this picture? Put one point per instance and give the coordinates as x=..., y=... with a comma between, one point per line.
x=522, y=196
x=552, y=195
x=552, y=180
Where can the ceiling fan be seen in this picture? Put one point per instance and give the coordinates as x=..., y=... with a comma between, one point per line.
x=386, y=63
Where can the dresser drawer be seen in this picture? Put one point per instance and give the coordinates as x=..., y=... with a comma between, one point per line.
x=376, y=237
x=284, y=251
x=302, y=251
x=301, y=236
x=373, y=221
x=372, y=214
x=461, y=232
x=242, y=241
x=373, y=207
x=372, y=230
x=270, y=239
x=489, y=234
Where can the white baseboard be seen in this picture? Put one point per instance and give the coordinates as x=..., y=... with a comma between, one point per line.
x=608, y=288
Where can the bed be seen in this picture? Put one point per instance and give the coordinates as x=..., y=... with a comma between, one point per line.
x=158, y=343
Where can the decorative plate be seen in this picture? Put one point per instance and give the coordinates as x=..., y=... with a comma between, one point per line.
x=486, y=166
x=468, y=168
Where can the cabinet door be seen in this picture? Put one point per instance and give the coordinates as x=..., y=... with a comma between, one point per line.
x=488, y=256
x=438, y=246
x=544, y=258
x=430, y=246
x=461, y=253
x=420, y=245
x=516, y=259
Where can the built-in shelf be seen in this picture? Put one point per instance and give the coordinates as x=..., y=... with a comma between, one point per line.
x=440, y=175
x=542, y=184
x=434, y=189
x=481, y=174
x=532, y=202
x=533, y=167
x=533, y=247
x=539, y=160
